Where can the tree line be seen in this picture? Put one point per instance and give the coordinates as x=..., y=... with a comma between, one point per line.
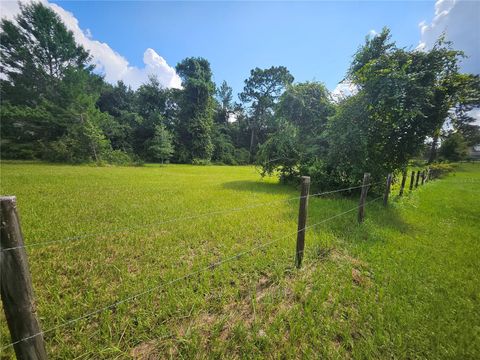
x=54, y=107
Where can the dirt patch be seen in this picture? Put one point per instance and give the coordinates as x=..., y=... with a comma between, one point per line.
x=145, y=351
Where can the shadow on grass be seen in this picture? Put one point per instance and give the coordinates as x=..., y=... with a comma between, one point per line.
x=346, y=227
x=258, y=186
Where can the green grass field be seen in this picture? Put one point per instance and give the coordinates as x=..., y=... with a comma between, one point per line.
x=404, y=284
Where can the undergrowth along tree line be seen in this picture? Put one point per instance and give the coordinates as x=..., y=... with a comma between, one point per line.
x=54, y=107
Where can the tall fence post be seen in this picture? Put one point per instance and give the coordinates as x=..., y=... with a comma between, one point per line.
x=412, y=180
x=423, y=176
x=387, y=190
x=16, y=285
x=427, y=175
x=302, y=220
x=404, y=180
x=363, y=197
x=418, y=178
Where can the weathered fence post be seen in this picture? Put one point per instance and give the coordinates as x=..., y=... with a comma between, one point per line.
x=423, y=177
x=302, y=220
x=387, y=190
x=363, y=197
x=404, y=180
x=418, y=178
x=412, y=180
x=16, y=286
x=427, y=176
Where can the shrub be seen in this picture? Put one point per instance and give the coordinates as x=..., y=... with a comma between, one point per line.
x=197, y=161
x=242, y=156
x=454, y=148
x=117, y=157
x=440, y=169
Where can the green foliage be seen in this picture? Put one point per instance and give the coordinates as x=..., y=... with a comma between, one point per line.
x=53, y=107
x=225, y=97
x=393, y=114
x=160, y=146
x=84, y=140
x=468, y=99
x=202, y=162
x=224, y=150
x=299, y=140
x=242, y=156
x=261, y=92
x=348, y=152
x=454, y=147
x=195, y=118
x=37, y=51
x=280, y=152
x=439, y=170
x=117, y=157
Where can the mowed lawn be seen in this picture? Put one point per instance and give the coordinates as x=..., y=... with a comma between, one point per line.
x=404, y=284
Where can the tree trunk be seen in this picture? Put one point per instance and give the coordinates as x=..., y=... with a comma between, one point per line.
x=252, y=140
x=433, y=149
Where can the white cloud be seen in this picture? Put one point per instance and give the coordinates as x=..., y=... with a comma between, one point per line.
x=460, y=20
x=343, y=90
x=372, y=33
x=106, y=60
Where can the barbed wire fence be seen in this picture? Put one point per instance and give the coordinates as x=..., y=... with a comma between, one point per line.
x=17, y=290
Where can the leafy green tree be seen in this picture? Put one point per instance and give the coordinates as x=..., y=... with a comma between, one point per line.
x=225, y=98
x=160, y=147
x=116, y=99
x=36, y=51
x=469, y=99
x=447, y=87
x=195, y=117
x=83, y=140
x=261, y=92
x=302, y=112
x=349, y=146
x=307, y=106
x=401, y=100
x=280, y=152
x=454, y=147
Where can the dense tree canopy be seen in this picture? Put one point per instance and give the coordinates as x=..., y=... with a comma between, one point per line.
x=261, y=92
x=54, y=107
x=37, y=52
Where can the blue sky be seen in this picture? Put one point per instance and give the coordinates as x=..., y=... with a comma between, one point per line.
x=315, y=41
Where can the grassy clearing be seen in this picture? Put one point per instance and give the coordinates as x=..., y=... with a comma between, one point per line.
x=403, y=285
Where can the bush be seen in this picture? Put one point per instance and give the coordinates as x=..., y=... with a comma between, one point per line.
x=440, y=169
x=454, y=148
x=17, y=151
x=242, y=156
x=197, y=161
x=117, y=157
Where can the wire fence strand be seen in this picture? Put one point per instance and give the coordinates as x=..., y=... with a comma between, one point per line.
x=178, y=279
x=177, y=219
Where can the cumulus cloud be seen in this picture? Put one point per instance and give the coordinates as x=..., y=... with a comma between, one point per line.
x=106, y=60
x=459, y=20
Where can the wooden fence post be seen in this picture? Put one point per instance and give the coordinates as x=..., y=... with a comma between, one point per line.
x=363, y=197
x=418, y=178
x=302, y=220
x=404, y=180
x=423, y=177
x=16, y=286
x=427, y=176
x=387, y=190
x=412, y=180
